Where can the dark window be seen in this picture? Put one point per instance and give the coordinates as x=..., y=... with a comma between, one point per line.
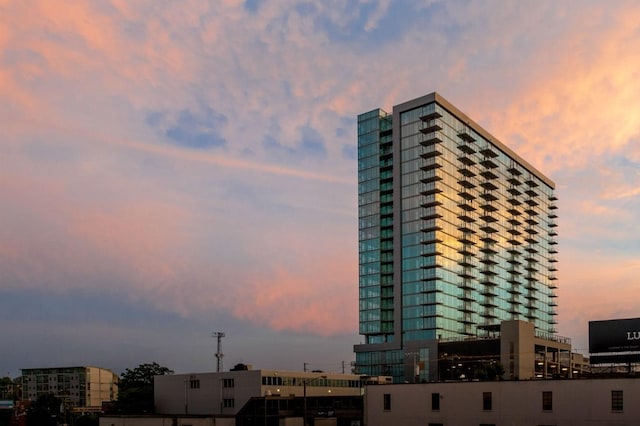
x=616, y=400
x=387, y=401
x=435, y=401
x=487, y=424
x=228, y=383
x=547, y=401
x=486, y=401
x=436, y=424
x=229, y=402
x=194, y=383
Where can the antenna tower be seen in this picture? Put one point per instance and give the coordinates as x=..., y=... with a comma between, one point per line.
x=219, y=355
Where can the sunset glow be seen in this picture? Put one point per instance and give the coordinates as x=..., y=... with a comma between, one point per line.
x=169, y=169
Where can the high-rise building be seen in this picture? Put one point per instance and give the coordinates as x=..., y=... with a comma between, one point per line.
x=457, y=233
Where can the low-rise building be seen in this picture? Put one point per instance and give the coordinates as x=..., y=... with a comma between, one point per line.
x=225, y=393
x=525, y=402
x=84, y=388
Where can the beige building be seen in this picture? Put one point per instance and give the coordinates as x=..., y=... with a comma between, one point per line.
x=532, y=402
x=225, y=393
x=80, y=387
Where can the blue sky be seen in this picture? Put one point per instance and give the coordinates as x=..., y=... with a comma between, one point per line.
x=173, y=168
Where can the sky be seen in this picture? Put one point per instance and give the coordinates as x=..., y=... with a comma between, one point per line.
x=169, y=169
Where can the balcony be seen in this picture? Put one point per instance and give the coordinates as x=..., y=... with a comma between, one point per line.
x=431, y=126
x=488, y=218
x=430, y=116
x=466, y=184
x=468, y=238
x=488, y=207
x=488, y=239
x=467, y=227
x=513, y=181
x=465, y=251
x=466, y=272
x=467, y=149
x=466, y=161
x=467, y=195
x=514, y=171
x=514, y=241
x=430, y=165
x=466, y=172
x=489, y=164
x=433, y=139
x=488, y=152
x=467, y=262
x=488, y=196
x=488, y=249
x=488, y=186
x=431, y=191
x=464, y=216
x=431, y=203
x=488, y=229
x=431, y=152
x=466, y=206
x=489, y=175
x=431, y=177
x=466, y=135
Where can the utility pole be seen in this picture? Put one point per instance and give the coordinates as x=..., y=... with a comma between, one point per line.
x=219, y=355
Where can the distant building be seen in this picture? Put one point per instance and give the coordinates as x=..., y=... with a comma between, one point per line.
x=79, y=387
x=596, y=402
x=225, y=393
x=457, y=233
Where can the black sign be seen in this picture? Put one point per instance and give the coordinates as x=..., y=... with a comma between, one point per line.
x=621, y=335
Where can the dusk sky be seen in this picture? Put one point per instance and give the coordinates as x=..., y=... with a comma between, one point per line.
x=173, y=168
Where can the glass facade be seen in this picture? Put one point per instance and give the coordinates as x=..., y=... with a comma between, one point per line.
x=456, y=232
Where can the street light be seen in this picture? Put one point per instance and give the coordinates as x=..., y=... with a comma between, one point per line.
x=304, y=393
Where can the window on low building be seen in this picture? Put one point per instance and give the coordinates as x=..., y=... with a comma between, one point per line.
x=617, y=400
x=229, y=403
x=228, y=383
x=435, y=401
x=547, y=401
x=387, y=401
x=487, y=401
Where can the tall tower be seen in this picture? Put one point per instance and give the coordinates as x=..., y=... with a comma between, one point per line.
x=219, y=355
x=456, y=234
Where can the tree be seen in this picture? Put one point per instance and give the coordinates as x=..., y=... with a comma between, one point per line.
x=44, y=411
x=6, y=388
x=135, y=390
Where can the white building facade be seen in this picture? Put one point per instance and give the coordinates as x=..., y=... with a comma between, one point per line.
x=225, y=393
x=531, y=402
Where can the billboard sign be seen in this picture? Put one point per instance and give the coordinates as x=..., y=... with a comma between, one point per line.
x=622, y=335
